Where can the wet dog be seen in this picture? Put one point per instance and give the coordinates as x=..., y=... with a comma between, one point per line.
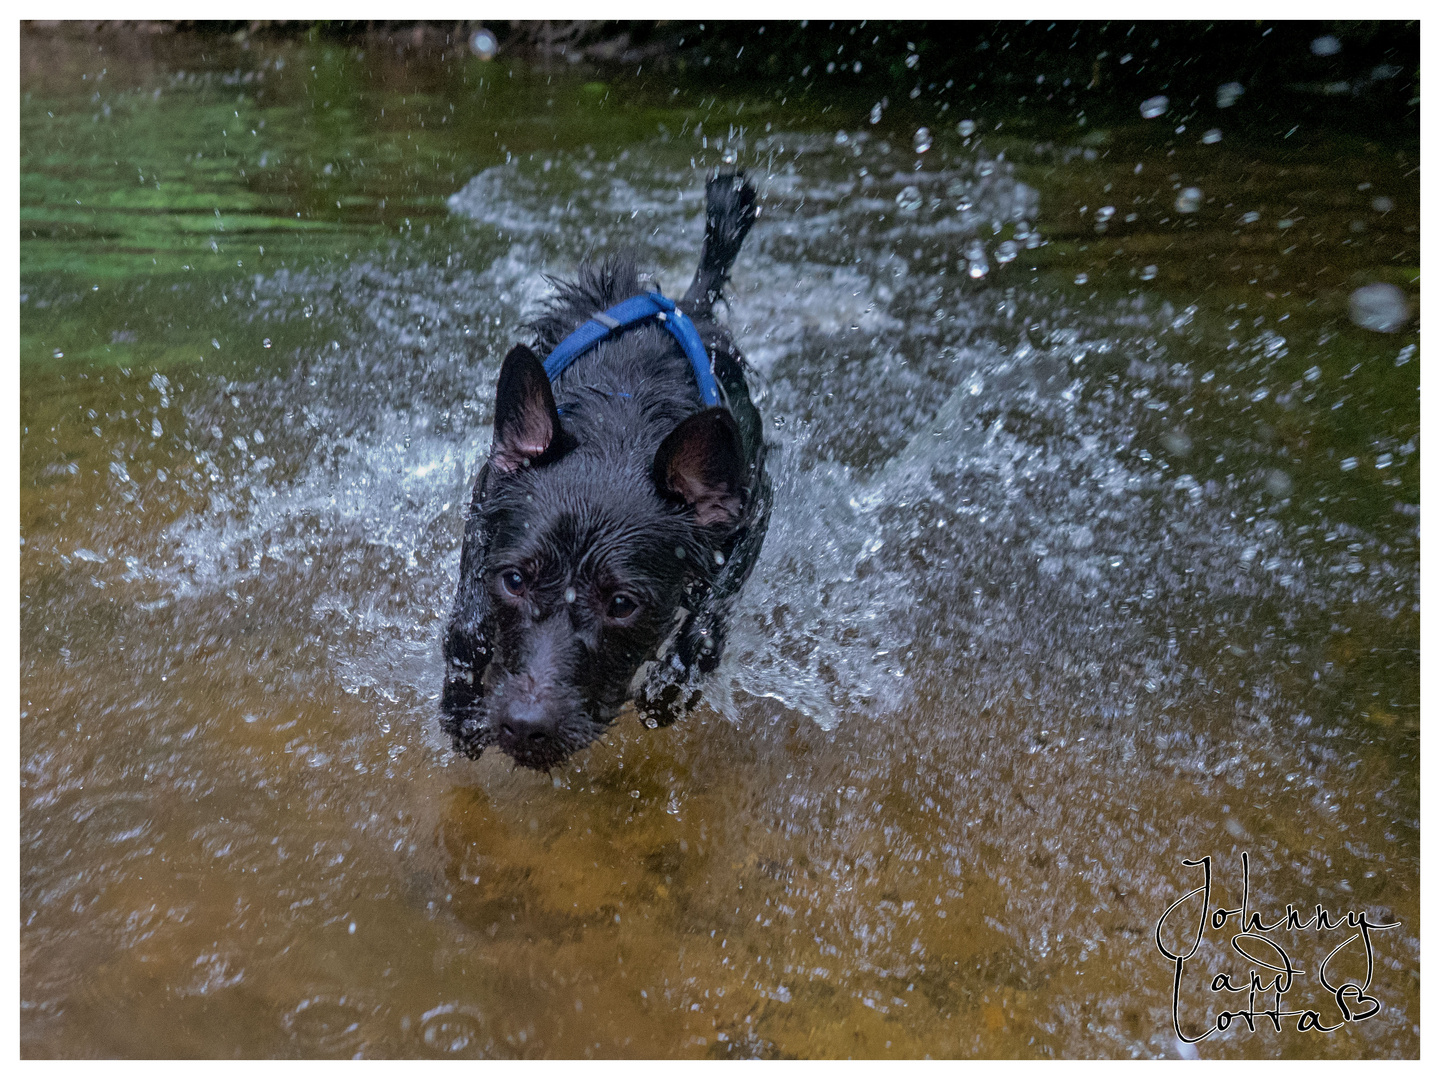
x=622, y=507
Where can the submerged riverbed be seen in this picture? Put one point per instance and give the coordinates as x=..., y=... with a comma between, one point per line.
x=1095, y=549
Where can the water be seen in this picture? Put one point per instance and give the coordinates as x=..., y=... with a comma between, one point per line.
x=1155, y=106
x=1065, y=582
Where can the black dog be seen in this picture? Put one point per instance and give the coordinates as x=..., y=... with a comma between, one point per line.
x=617, y=516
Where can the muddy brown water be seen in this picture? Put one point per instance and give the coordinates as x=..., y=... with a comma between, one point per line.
x=1098, y=559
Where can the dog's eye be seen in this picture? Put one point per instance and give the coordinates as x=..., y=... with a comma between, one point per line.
x=621, y=607
x=513, y=582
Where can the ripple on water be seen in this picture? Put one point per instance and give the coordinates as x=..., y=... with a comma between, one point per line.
x=106, y=827
x=331, y=1025
x=453, y=1029
x=116, y=818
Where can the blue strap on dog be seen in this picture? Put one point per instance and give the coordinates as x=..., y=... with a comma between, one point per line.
x=628, y=313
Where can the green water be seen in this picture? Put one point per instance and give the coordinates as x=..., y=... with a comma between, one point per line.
x=1079, y=568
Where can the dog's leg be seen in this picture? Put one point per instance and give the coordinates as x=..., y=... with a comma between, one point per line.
x=674, y=685
x=702, y=638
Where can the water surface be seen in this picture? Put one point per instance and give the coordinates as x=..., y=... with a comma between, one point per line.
x=1095, y=549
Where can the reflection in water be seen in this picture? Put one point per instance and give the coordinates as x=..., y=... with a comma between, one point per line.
x=1064, y=585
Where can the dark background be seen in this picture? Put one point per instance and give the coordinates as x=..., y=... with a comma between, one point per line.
x=1102, y=70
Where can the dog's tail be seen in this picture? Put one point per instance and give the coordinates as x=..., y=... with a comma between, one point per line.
x=729, y=212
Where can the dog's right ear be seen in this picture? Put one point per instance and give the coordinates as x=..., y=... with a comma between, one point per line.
x=701, y=464
x=527, y=427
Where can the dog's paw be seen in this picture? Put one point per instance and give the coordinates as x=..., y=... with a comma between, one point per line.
x=701, y=645
x=666, y=696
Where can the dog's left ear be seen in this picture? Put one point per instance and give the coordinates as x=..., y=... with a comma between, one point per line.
x=701, y=464
x=527, y=426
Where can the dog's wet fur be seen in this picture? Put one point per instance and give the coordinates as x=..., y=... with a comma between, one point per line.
x=614, y=522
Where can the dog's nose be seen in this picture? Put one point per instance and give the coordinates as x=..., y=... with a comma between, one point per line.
x=525, y=720
x=521, y=731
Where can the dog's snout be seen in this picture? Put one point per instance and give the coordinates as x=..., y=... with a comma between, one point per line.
x=527, y=715
x=526, y=719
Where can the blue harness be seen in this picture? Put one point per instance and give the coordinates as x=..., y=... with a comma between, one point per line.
x=628, y=313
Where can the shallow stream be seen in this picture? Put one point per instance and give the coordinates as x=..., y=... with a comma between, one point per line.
x=1095, y=548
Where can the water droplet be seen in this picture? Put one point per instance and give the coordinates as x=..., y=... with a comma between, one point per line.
x=1189, y=200
x=1382, y=204
x=1006, y=251
x=912, y=60
x=570, y=594
x=1149, y=273
x=1155, y=106
x=1348, y=465
x=923, y=141
x=679, y=553
x=1082, y=278
x=1177, y=442
x=979, y=268
x=909, y=198
x=266, y=343
x=1249, y=217
x=730, y=157
x=1326, y=45
x=1312, y=373
x=1211, y=137
x=484, y=44
x=841, y=138
x=155, y=429
x=965, y=204
x=1104, y=214
x=1380, y=306
x=985, y=168
x=1227, y=94
x=966, y=128
x=876, y=112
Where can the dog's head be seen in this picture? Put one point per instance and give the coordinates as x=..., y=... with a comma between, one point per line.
x=580, y=555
